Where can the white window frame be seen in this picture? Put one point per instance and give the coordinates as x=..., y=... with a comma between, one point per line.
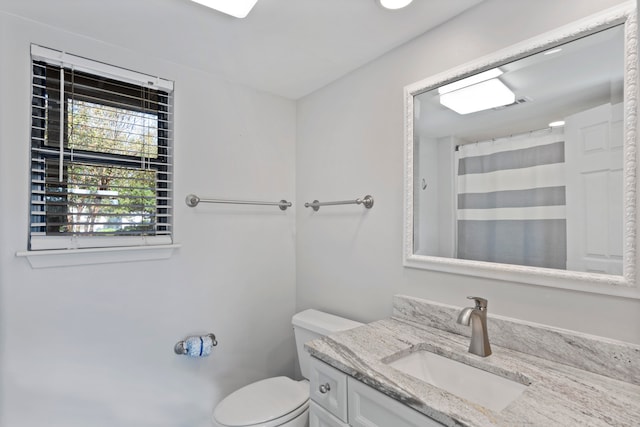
x=52, y=250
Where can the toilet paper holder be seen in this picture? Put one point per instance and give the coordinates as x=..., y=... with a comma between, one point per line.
x=181, y=348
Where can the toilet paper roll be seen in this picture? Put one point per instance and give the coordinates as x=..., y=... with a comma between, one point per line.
x=199, y=346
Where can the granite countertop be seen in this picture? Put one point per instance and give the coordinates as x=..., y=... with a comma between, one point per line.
x=558, y=394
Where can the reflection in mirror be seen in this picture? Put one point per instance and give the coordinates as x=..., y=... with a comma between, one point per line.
x=501, y=182
x=522, y=163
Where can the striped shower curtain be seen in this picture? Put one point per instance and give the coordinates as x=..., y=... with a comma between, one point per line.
x=511, y=201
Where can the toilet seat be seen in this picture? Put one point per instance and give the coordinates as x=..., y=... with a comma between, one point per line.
x=269, y=403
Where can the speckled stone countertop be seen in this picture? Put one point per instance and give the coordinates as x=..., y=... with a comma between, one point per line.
x=558, y=394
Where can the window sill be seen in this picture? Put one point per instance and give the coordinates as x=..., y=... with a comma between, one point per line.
x=73, y=257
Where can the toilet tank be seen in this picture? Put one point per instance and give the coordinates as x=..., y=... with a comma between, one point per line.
x=311, y=324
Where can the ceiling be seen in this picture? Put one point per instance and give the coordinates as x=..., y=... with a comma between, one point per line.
x=286, y=47
x=587, y=72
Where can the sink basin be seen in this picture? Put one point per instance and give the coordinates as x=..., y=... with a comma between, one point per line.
x=482, y=387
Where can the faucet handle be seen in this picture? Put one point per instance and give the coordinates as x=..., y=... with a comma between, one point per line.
x=481, y=303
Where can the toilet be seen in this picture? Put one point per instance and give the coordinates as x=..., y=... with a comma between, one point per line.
x=280, y=401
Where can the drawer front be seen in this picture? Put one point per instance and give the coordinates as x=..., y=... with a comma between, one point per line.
x=328, y=388
x=318, y=417
x=370, y=408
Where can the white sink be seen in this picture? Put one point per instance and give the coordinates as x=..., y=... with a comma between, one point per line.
x=482, y=387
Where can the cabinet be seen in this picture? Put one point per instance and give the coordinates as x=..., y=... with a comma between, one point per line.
x=342, y=401
x=320, y=417
x=328, y=388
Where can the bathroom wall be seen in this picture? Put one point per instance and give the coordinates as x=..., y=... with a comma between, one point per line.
x=93, y=345
x=350, y=143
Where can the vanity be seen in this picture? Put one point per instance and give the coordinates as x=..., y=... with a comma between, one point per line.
x=561, y=377
x=338, y=400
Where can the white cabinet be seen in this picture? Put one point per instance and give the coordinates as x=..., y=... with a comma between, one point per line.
x=319, y=417
x=342, y=401
x=370, y=408
x=328, y=388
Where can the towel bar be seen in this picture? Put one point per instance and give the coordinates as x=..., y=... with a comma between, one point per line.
x=367, y=201
x=192, y=201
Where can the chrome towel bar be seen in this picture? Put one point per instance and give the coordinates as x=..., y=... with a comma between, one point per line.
x=192, y=201
x=367, y=201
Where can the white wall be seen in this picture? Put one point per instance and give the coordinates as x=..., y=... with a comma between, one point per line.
x=427, y=230
x=350, y=143
x=95, y=348
x=93, y=345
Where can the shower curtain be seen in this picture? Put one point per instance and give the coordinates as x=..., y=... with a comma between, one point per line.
x=511, y=201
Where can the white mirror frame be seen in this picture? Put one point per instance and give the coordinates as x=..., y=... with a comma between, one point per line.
x=624, y=285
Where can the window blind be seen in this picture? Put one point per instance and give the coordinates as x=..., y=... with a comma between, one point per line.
x=101, y=155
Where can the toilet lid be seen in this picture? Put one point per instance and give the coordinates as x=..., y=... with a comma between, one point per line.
x=262, y=401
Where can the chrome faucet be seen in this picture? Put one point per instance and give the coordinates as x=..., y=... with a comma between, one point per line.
x=477, y=317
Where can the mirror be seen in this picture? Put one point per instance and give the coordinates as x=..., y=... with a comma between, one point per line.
x=521, y=166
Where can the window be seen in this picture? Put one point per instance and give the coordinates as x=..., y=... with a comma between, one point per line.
x=100, y=155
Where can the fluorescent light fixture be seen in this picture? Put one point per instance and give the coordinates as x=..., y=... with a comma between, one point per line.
x=480, y=96
x=476, y=78
x=556, y=124
x=394, y=4
x=237, y=8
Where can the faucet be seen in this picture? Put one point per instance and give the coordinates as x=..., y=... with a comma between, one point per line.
x=477, y=317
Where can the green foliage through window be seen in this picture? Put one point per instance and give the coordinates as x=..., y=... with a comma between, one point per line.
x=105, y=129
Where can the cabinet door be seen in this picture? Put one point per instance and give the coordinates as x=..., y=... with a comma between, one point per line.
x=318, y=417
x=370, y=408
x=328, y=388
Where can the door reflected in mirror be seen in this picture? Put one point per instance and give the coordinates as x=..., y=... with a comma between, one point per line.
x=522, y=163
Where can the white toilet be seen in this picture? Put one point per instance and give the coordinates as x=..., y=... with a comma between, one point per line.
x=280, y=401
